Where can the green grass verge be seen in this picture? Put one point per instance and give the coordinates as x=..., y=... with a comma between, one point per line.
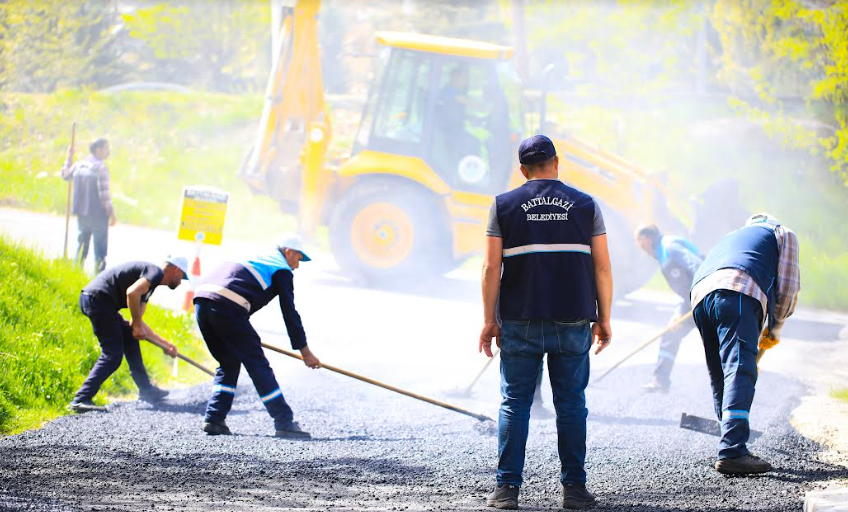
x=47, y=346
x=160, y=142
x=840, y=394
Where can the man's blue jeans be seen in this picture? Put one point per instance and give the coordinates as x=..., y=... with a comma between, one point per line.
x=523, y=345
x=729, y=323
x=93, y=227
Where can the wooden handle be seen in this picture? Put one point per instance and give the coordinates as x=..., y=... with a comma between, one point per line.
x=196, y=364
x=384, y=385
x=674, y=323
x=482, y=370
x=68, y=200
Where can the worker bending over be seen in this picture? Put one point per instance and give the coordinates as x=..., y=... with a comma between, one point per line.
x=223, y=303
x=551, y=241
x=127, y=285
x=679, y=259
x=750, y=279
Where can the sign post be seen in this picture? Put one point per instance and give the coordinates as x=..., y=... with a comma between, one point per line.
x=202, y=217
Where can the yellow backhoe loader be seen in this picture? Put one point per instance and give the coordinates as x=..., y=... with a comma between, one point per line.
x=436, y=142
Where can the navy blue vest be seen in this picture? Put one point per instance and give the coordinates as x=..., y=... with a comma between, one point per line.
x=248, y=284
x=87, y=189
x=753, y=250
x=547, y=262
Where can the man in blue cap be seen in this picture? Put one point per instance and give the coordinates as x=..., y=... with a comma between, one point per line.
x=749, y=281
x=223, y=305
x=679, y=259
x=129, y=285
x=551, y=243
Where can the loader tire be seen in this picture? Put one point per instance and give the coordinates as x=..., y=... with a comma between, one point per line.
x=382, y=234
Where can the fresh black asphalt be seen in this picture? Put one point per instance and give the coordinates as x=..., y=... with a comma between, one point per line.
x=373, y=450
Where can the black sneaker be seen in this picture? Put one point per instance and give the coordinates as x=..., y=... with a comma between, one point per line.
x=81, y=406
x=576, y=496
x=745, y=465
x=152, y=394
x=292, y=431
x=504, y=497
x=216, y=429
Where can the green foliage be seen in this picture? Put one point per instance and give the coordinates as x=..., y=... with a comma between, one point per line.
x=160, y=143
x=782, y=50
x=47, y=347
x=218, y=45
x=45, y=44
x=625, y=48
x=840, y=394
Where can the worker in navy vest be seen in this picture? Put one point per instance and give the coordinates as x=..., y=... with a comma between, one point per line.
x=223, y=304
x=547, y=276
x=748, y=282
x=679, y=259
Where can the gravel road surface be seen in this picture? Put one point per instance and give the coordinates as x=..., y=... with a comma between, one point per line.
x=374, y=450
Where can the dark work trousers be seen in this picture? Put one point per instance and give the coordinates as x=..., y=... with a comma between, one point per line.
x=97, y=227
x=729, y=323
x=670, y=344
x=232, y=341
x=116, y=342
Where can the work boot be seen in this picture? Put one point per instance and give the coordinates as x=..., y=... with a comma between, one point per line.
x=152, y=394
x=291, y=431
x=81, y=406
x=216, y=429
x=576, y=496
x=656, y=386
x=504, y=497
x=745, y=465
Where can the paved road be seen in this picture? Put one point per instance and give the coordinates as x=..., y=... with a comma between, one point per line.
x=378, y=451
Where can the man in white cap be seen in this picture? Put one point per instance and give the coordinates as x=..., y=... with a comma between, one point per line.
x=129, y=285
x=223, y=304
x=748, y=282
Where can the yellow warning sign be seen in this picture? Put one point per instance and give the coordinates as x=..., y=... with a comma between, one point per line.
x=202, y=215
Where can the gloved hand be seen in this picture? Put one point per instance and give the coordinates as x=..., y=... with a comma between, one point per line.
x=766, y=342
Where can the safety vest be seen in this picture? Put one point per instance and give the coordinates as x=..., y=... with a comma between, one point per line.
x=547, y=258
x=247, y=283
x=679, y=260
x=87, y=202
x=753, y=250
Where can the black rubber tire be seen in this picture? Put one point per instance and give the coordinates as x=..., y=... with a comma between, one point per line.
x=431, y=253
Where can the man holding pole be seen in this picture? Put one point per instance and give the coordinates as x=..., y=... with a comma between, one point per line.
x=223, y=304
x=127, y=285
x=749, y=280
x=92, y=202
x=551, y=241
x=679, y=259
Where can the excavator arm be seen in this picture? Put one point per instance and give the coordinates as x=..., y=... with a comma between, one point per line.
x=287, y=159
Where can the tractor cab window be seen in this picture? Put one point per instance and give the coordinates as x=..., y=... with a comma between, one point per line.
x=402, y=108
x=471, y=144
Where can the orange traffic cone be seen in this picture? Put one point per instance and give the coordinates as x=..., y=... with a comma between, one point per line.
x=194, y=277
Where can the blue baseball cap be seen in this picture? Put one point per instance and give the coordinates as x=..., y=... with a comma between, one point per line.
x=535, y=150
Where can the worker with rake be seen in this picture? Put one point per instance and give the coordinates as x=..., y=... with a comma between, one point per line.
x=679, y=259
x=223, y=303
x=551, y=242
x=128, y=285
x=748, y=282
